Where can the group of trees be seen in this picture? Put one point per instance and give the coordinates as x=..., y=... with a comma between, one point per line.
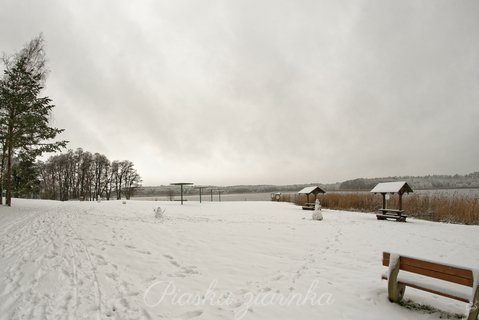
x=26, y=133
x=85, y=176
x=470, y=180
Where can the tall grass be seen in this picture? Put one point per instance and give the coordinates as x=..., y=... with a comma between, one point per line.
x=452, y=209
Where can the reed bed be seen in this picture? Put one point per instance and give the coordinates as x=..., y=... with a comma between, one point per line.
x=439, y=207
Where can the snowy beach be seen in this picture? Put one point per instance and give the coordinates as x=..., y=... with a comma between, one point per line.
x=221, y=260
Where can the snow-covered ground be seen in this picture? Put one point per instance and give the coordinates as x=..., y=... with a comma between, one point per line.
x=227, y=260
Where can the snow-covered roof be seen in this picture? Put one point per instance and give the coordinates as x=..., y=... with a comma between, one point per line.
x=387, y=187
x=313, y=189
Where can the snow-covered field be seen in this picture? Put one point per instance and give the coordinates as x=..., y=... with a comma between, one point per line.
x=227, y=260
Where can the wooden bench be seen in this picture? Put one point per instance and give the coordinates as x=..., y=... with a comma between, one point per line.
x=308, y=206
x=418, y=274
x=395, y=214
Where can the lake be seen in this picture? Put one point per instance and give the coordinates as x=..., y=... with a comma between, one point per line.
x=266, y=196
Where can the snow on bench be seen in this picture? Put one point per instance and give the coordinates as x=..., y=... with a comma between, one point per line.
x=461, y=293
x=442, y=279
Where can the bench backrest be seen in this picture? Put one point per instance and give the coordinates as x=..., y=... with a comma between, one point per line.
x=434, y=270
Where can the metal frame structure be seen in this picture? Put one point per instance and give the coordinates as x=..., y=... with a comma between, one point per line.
x=181, y=184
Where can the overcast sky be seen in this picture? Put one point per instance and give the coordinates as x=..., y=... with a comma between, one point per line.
x=252, y=92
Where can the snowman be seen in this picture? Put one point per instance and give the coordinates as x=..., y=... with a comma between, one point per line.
x=317, y=211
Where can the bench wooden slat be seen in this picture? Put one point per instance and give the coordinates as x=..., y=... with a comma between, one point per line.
x=424, y=288
x=438, y=275
x=435, y=292
x=443, y=272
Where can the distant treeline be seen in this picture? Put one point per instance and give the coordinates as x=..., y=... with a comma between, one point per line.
x=85, y=176
x=418, y=183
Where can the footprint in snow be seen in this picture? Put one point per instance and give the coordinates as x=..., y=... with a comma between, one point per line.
x=190, y=270
x=101, y=260
x=173, y=262
x=278, y=277
x=112, y=276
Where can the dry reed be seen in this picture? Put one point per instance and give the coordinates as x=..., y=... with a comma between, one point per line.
x=444, y=208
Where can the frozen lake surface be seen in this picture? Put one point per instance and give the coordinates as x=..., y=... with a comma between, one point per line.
x=266, y=196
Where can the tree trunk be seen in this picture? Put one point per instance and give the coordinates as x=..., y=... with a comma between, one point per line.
x=2, y=170
x=118, y=190
x=9, y=141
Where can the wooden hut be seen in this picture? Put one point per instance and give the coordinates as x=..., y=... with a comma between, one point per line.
x=308, y=191
x=390, y=188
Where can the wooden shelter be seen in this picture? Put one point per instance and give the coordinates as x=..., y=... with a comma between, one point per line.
x=390, y=188
x=310, y=190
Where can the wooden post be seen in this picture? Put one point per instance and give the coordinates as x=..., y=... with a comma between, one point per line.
x=181, y=184
x=395, y=290
x=384, y=200
x=181, y=188
x=474, y=307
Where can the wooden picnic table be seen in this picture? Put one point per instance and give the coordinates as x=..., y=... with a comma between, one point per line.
x=309, y=206
x=395, y=214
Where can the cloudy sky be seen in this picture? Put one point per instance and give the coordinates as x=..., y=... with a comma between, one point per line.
x=262, y=91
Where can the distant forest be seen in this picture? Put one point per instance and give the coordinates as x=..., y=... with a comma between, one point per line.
x=418, y=183
x=456, y=181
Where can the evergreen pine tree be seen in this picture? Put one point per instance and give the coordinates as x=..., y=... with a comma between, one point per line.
x=24, y=113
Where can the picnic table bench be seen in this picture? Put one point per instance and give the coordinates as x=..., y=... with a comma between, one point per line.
x=419, y=273
x=392, y=214
x=309, y=206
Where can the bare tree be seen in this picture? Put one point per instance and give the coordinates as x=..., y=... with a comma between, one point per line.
x=81, y=175
x=132, y=182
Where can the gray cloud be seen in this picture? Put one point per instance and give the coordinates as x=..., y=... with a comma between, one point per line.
x=230, y=92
